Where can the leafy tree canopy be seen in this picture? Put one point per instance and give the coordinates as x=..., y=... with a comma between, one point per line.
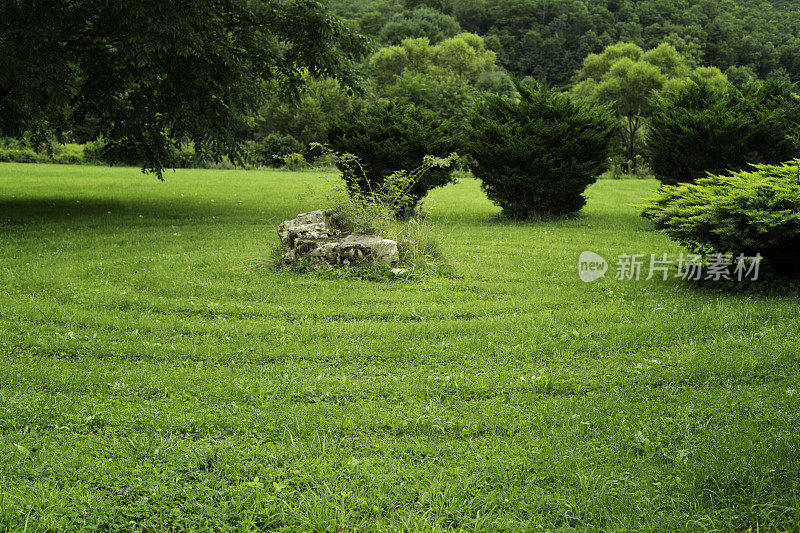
x=445, y=77
x=624, y=76
x=156, y=74
x=307, y=118
x=464, y=55
x=421, y=22
x=548, y=39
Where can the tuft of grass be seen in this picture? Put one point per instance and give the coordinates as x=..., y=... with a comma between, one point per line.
x=415, y=235
x=420, y=253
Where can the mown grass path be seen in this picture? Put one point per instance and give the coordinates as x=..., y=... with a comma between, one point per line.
x=152, y=378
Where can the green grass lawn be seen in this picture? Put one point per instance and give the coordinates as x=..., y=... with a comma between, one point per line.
x=154, y=377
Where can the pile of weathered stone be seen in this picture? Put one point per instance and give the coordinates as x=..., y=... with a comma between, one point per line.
x=315, y=237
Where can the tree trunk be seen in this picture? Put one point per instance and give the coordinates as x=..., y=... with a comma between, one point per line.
x=633, y=127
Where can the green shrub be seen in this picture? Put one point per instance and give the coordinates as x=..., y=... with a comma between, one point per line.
x=68, y=154
x=376, y=212
x=746, y=212
x=93, y=153
x=698, y=129
x=387, y=137
x=416, y=238
x=185, y=157
x=295, y=162
x=16, y=151
x=272, y=150
x=21, y=155
x=325, y=161
x=98, y=153
x=394, y=194
x=536, y=155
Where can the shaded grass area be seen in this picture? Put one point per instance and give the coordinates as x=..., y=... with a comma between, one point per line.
x=152, y=378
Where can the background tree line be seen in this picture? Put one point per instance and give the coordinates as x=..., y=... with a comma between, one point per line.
x=440, y=55
x=443, y=55
x=548, y=39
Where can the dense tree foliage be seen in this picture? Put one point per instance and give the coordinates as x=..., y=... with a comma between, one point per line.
x=754, y=212
x=625, y=76
x=273, y=148
x=156, y=74
x=306, y=118
x=241, y=77
x=422, y=22
x=537, y=154
x=463, y=55
x=548, y=39
x=445, y=77
x=699, y=128
x=388, y=137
